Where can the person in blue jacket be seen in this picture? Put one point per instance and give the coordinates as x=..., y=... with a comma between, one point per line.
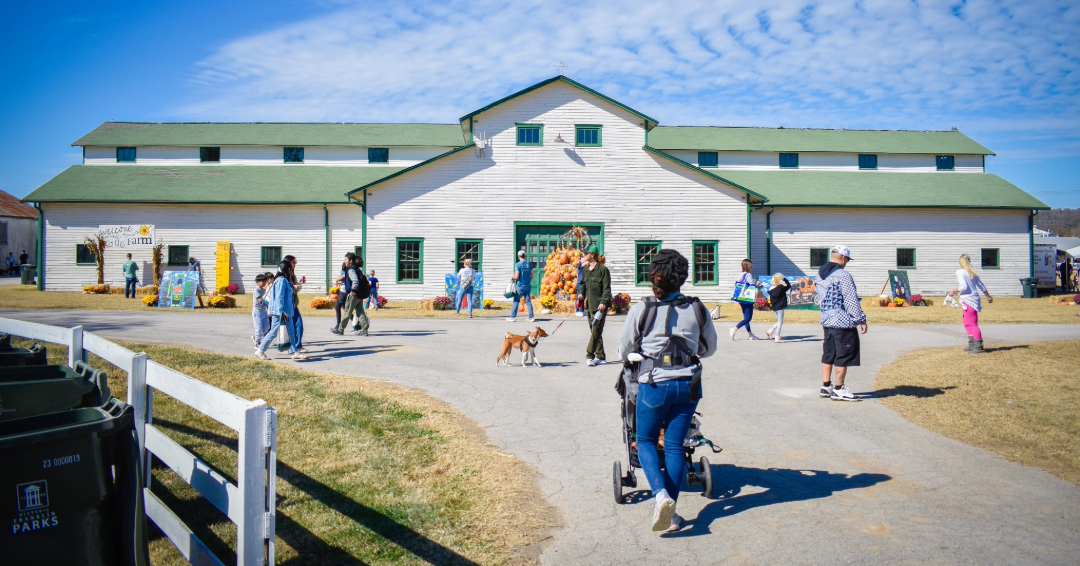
x=279, y=305
x=523, y=276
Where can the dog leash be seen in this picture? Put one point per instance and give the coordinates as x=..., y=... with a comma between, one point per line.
x=560, y=325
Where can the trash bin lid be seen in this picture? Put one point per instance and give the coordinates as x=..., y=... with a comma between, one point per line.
x=114, y=415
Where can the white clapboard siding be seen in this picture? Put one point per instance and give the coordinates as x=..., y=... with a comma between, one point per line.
x=21, y=235
x=299, y=230
x=637, y=196
x=346, y=223
x=262, y=155
x=814, y=161
x=938, y=236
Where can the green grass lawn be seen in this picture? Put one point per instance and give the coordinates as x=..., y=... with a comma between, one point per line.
x=368, y=472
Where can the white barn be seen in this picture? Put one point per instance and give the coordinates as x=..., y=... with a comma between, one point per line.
x=18, y=229
x=415, y=199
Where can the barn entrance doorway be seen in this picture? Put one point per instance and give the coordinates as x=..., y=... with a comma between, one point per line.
x=539, y=240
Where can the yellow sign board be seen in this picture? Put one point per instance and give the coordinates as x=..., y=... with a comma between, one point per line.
x=223, y=265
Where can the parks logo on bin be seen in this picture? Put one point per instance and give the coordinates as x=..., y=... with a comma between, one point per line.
x=34, y=511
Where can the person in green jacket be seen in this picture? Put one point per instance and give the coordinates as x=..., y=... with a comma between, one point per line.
x=596, y=280
x=131, y=277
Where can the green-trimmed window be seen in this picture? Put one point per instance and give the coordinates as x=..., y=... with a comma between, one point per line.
x=468, y=249
x=358, y=251
x=707, y=159
x=905, y=258
x=587, y=136
x=178, y=255
x=410, y=260
x=946, y=162
x=643, y=254
x=991, y=258
x=271, y=256
x=789, y=160
x=378, y=155
x=867, y=161
x=530, y=134
x=294, y=155
x=83, y=255
x=705, y=263
x=209, y=154
x=818, y=257
x=125, y=155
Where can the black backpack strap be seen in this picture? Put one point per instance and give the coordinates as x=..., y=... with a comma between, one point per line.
x=646, y=322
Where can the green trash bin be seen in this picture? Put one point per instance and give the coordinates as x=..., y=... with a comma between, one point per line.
x=35, y=355
x=1031, y=287
x=27, y=272
x=29, y=391
x=72, y=489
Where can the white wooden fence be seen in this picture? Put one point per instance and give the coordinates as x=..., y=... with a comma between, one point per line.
x=251, y=504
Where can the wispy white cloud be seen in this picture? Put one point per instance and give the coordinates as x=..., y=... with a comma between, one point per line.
x=1000, y=70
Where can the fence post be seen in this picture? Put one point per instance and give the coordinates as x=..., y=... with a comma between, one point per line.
x=251, y=479
x=75, y=349
x=138, y=398
x=271, y=483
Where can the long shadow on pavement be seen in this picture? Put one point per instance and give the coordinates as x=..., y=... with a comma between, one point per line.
x=780, y=486
x=910, y=391
x=304, y=541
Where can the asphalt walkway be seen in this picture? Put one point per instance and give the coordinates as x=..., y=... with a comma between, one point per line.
x=801, y=480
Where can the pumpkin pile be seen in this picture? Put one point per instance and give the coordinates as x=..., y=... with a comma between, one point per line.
x=560, y=274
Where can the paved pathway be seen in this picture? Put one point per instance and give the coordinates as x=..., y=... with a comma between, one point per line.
x=801, y=480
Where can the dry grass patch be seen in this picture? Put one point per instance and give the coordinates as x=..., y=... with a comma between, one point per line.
x=368, y=472
x=1019, y=401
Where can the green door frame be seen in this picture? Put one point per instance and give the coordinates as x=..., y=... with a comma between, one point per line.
x=528, y=224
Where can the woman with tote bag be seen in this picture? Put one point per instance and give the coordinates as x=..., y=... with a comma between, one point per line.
x=745, y=293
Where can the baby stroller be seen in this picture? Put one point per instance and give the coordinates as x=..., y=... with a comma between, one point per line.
x=627, y=386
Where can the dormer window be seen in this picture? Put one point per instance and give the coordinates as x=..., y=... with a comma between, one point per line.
x=946, y=162
x=209, y=154
x=867, y=161
x=789, y=160
x=125, y=155
x=707, y=159
x=294, y=155
x=530, y=134
x=378, y=155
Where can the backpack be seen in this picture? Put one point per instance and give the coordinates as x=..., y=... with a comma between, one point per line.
x=363, y=291
x=676, y=353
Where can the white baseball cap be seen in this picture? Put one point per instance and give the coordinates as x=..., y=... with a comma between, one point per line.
x=842, y=250
x=521, y=253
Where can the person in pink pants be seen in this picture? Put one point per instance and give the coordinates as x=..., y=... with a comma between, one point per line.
x=968, y=287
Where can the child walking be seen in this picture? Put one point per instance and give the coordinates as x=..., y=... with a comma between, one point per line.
x=373, y=298
x=969, y=285
x=778, y=302
x=259, y=318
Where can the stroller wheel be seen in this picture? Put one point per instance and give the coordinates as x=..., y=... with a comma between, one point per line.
x=706, y=478
x=616, y=481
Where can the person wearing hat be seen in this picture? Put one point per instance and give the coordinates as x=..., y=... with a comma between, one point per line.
x=596, y=280
x=523, y=275
x=841, y=315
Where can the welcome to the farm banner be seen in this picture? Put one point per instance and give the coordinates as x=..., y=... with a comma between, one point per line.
x=127, y=235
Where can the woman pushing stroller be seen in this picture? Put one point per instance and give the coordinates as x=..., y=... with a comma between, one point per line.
x=667, y=354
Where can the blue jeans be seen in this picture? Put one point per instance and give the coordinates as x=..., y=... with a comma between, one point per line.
x=664, y=405
x=517, y=300
x=271, y=335
x=296, y=329
x=129, y=285
x=467, y=293
x=747, y=315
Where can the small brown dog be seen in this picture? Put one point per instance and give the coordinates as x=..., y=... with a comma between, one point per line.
x=527, y=345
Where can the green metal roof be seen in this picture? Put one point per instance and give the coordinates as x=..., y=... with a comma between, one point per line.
x=704, y=138
x=280, y=184
x=870, y=189
x=570, y=82
x=270, y=133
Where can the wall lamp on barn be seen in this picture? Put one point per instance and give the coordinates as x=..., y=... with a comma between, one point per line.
x=558, y=138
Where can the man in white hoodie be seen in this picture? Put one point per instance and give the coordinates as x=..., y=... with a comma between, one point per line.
x=841, y=314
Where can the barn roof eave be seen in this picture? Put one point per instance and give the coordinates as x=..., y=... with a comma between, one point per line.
x=407, y=169
x=761, y=198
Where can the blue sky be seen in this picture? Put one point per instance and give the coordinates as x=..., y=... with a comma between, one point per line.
x=1007, y=73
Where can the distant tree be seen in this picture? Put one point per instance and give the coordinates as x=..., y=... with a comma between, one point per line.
x=1061, y=221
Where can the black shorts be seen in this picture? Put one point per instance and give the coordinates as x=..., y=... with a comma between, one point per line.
x=841, y=347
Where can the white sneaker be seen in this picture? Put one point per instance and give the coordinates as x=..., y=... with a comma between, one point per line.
x=303, y=350
x=299, y=356
x=261, y=354
x=590, y=362
x=768, y=333
x=732, y=332
x=842, y=394
x=752, y=337
x=676, y=524
x=777, y=339
x=531, y=319
x=826, y=391
x=254, y=339
x=663, y=511
x=579, y=313
x=511, y=319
